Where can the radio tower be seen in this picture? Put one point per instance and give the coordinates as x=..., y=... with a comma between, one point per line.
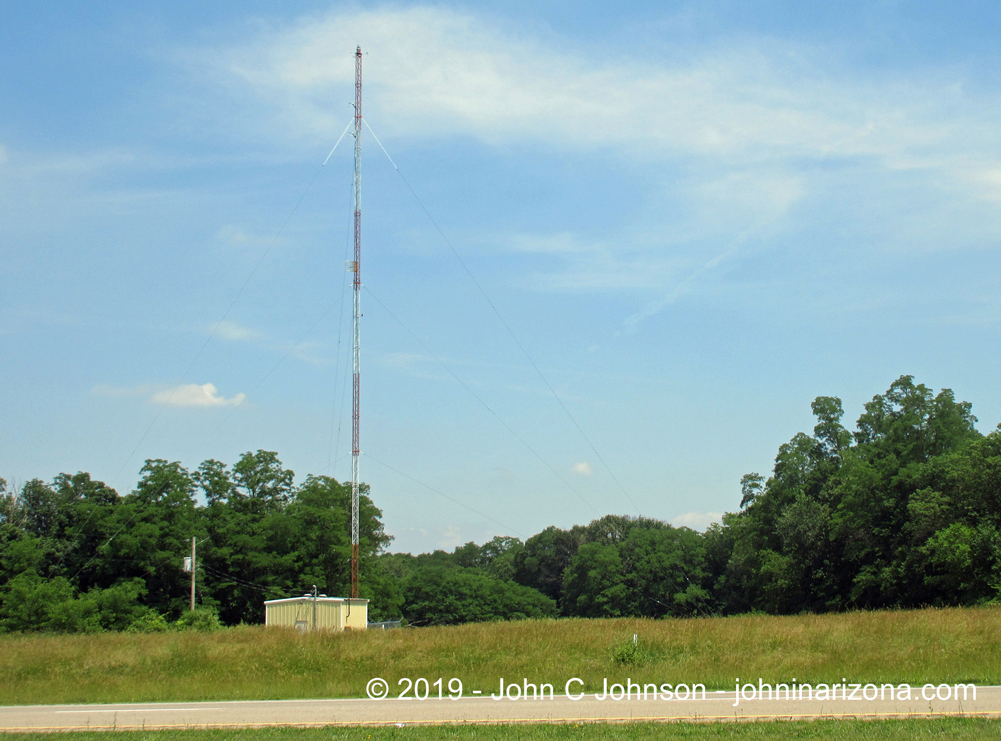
x=356, y=335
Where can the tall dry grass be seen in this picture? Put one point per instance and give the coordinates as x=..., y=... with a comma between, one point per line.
x=934, y=645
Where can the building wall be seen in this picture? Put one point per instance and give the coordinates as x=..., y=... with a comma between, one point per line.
x=287, y=614
x=331, y=618
x=356, y=614
x=331, y=614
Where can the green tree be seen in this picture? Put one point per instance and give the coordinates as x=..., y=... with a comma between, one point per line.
x=147, y=536
x=544, y=558
x=655, y=570
x=261, y=483
x=594, y=583
x=453, y=596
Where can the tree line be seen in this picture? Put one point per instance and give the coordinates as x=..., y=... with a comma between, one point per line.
x=902, y=511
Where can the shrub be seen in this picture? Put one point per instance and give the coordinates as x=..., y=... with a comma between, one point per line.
x=628, y=652
x=204, y=619
x=149, y=622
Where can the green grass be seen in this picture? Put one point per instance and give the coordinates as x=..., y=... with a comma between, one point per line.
x=947, y=645
x=840, y=730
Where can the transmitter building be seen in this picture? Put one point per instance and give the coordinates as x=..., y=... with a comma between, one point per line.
x=317, y=613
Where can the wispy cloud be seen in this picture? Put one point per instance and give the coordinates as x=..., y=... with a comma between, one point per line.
x=234, y=332
x=561, y=243
x=753, y=129
x=194, y=395
x=440, y=72
x=449, y=537
x=477, y=376
x=307, y=352
x=684, y=285
x=186, y=395
x=697, y=520
x=583, y=468
x=232, y=234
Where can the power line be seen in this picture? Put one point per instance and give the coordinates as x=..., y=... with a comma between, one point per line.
x=138, y=508
x=150, y=568
x=336, y=460
x=337, y=365
x=334, y=417
x=477, y=397
x=502, y=321
x=340, y=420
x=115, y=535
x=267, y=375
x=442, y=494
x=239, y=581
x=218, y=324
x=80, y=530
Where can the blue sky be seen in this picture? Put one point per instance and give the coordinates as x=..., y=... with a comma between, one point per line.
x=695, y=217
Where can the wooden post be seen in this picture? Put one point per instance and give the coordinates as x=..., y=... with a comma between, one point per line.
x=194, y=567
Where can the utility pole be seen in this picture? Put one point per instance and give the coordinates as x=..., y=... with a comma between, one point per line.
x=356, y=336
x=194, y=568
x=314, y=607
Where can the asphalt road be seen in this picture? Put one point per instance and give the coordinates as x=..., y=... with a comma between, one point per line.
x=716, y=706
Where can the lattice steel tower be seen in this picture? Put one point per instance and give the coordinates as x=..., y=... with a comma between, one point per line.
x=356, y=335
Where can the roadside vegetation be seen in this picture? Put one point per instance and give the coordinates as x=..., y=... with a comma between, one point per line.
x=956, y=729
x=901, y=512
x=252, y=662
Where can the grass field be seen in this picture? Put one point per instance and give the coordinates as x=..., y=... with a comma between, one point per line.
x=947, y=645
x=842, y=730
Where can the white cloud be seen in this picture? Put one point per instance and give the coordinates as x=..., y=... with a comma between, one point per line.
x=449, y=537
x=435, y=72
x=697, y=520
x=583, y=468
x=416, y=365
x=684, y=286
x=747, y=196
x=250, y=244
x=193, y=395
x=752, y=128
x=234, y=332
x=560, y=243
x=311, y=352
x=602, y=270
x=233, y=234
x=305, y=351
